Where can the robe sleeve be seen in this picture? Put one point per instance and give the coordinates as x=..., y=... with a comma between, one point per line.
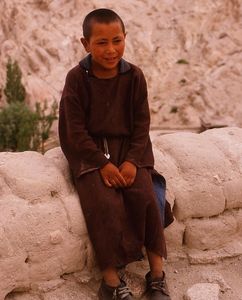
x=78, y=146
x=140, y=139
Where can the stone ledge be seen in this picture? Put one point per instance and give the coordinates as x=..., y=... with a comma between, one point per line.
x=42, y=229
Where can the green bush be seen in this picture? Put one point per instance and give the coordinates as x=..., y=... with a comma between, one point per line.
x=21, y=128
x=18, y=125
x=14, y=90
x=45, y=122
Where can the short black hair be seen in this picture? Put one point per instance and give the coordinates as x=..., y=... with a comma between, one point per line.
x=100, y=15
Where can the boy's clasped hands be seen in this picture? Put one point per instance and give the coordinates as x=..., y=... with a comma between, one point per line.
x=121, y=177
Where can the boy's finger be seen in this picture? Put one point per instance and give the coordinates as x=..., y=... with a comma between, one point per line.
x=115, y=183
x=127, y=180
x=107, y=183
x=130, y=181
x=121, y=180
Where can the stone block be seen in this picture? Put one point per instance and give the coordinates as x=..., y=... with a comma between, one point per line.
x=202, y=291
x=76, y=221
x=238, y=217
x=233, y=193
x=14, y=274
x=174, y=236
x=194, y=155
x=164, y=163
x=192, y=165
x=232, y=249
x=210, y=233
x=198, y=198
x=56, y=157
x=229, y=141
x=35, y=181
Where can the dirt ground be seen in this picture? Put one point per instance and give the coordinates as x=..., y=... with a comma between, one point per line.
x=181, y=276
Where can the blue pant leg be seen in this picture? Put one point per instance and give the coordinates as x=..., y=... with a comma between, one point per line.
x=160, y=191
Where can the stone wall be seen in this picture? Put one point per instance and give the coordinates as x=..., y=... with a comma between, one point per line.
x=43, y=233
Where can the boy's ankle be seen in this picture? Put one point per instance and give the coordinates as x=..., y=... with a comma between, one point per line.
x=111, y=277
x=112, y=283
x=156, y=273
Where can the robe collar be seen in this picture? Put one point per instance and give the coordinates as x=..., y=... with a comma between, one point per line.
x=86, y=63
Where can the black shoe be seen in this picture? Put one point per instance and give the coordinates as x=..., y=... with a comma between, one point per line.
x=120, y=292
x=156, y=289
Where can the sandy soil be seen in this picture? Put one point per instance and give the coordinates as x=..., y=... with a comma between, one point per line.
x=181, y=276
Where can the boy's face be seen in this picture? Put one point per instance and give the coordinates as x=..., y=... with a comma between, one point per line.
x=106, y=45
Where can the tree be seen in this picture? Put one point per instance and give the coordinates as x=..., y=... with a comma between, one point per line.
x=45, y=122
x=14, y=89
x=21, y=128
x=18, y=125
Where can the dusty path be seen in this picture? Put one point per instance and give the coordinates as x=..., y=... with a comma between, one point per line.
x=181, y=276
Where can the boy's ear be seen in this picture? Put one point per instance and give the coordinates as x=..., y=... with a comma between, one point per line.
x=85, y=44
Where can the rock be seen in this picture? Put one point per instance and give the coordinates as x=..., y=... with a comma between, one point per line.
x=42, y=229
x=232, y=249
x=43, y=235
x=203, y=291
x=47, y=286
x=233, y=193
x=71, y=291
x=14, y=274
x=46, y=46
x=210, y=233
x=67, y=291
x=190, y=169
x=228, y=140
x=22, y=296
x=174, y=235
x=40, y=176
x=238, y=217
x=216, y=277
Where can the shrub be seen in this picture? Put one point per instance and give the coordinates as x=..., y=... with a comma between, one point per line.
x=14, y=90
x=18, y=125
x=45, y=122
x=21, y=128
x=182, y=62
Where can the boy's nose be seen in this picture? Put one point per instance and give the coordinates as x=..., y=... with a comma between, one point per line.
x=110, y=48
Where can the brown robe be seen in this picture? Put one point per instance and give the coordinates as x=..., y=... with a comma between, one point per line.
x=115, y=110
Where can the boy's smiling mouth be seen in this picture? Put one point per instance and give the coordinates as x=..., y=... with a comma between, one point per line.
x=111, y=59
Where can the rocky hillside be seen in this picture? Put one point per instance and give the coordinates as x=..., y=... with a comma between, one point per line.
x=190, y=51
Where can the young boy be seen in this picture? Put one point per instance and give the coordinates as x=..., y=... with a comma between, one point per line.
x=104, y=134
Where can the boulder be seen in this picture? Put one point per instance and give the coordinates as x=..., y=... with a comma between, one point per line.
x=210, y=233
x=202, y=291
x=42, y=230
x=43, y=234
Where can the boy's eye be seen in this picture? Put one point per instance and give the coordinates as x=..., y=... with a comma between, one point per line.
x=101, y=43
x=117, y=41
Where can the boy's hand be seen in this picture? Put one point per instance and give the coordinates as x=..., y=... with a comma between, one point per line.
x=112, y=177
x=128, y=171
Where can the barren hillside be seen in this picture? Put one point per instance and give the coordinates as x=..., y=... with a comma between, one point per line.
x=190, y=51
